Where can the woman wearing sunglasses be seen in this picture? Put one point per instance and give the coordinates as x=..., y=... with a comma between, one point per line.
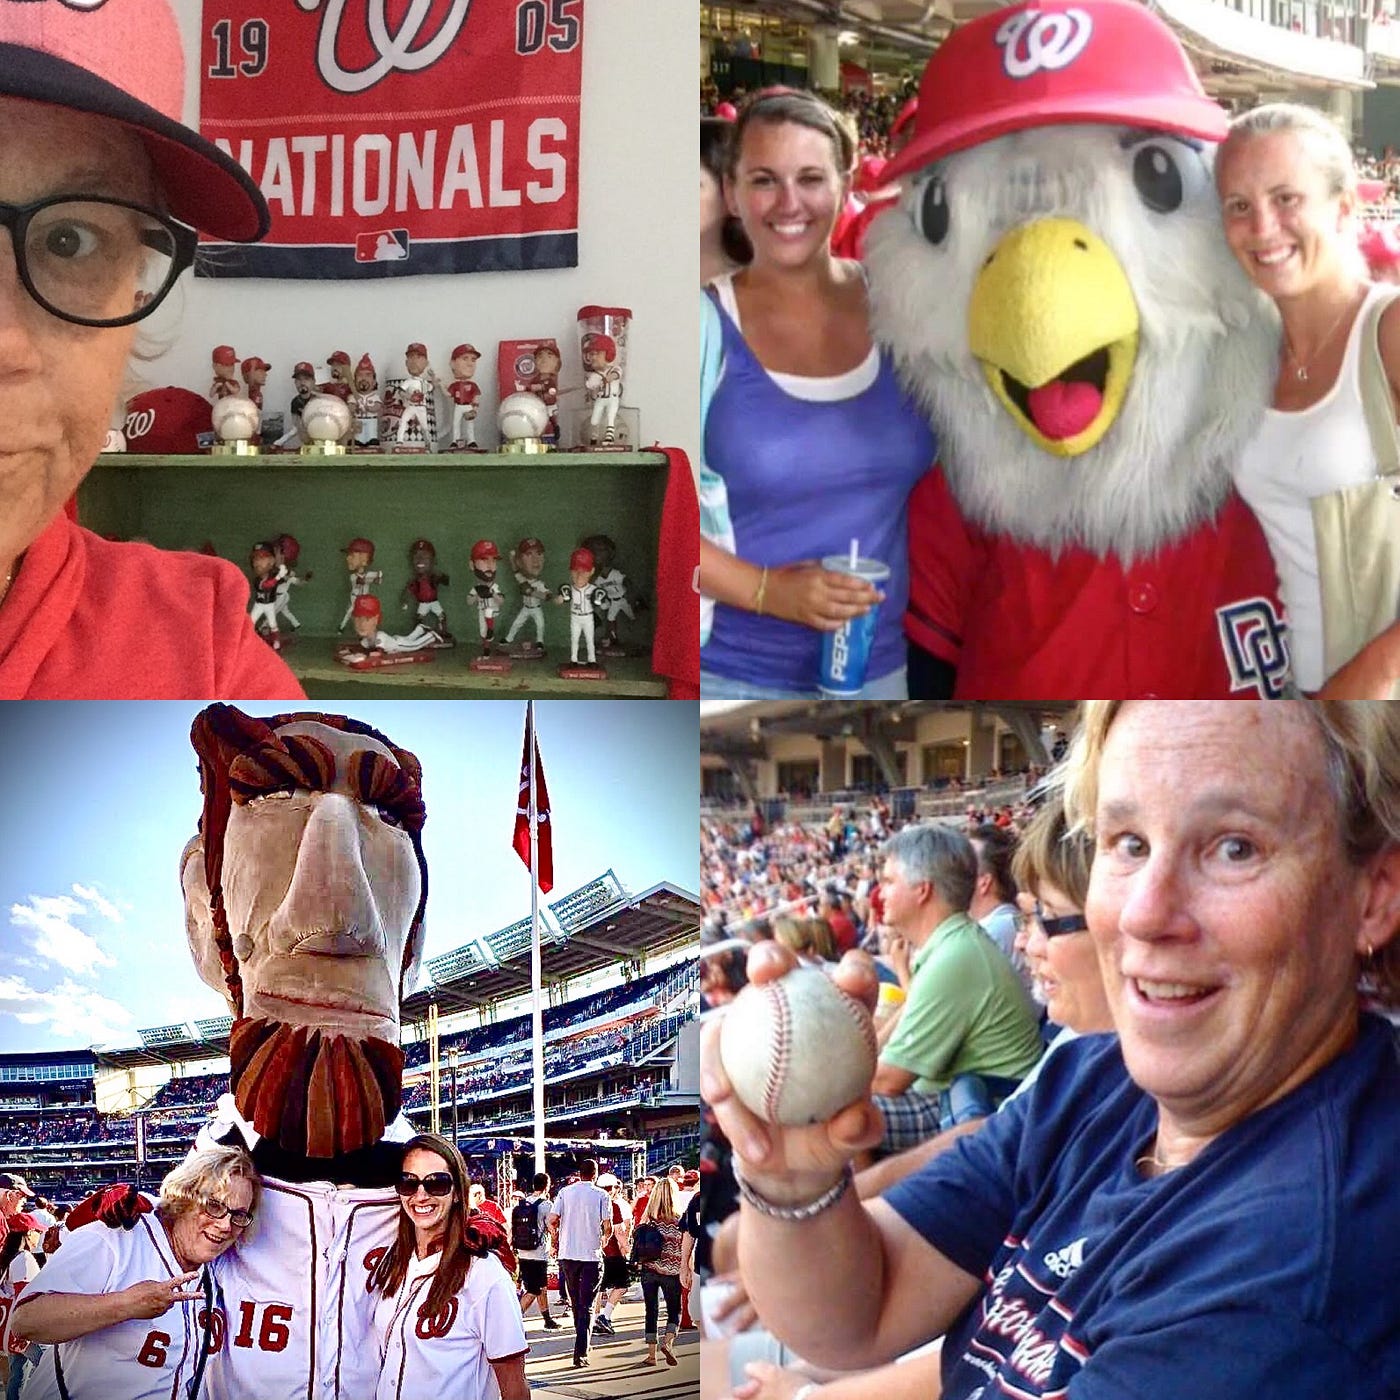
x=1051, y=869
x=131, y=1311
x=102, y=189
x=447, y=1318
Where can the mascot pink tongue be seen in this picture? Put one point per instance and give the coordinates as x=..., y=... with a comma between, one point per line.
x=1062, y=410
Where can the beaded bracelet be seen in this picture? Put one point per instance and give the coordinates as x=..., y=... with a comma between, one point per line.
x=825, y=1201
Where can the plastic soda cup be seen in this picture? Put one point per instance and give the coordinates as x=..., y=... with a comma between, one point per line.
x=846, y=652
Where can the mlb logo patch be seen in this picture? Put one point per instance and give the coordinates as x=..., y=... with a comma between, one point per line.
x=383, y=245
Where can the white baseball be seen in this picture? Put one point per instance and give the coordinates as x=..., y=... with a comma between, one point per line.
x=326, y=418
x=236, y=418
x=797, y=1050
x=522, y=415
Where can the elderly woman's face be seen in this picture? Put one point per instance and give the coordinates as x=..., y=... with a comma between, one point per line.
x=58, y=382
x=1224, y=909
x=199, y=1237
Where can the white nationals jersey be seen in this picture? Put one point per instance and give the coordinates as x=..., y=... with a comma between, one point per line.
x=296, y=1313
x=447, y=1356
x=144, y=1358
x=614, y=586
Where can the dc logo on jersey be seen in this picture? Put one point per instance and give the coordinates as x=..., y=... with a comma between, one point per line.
x=1031, y=41
x=1255, y=640
x=435, y=1324
x=400, y=51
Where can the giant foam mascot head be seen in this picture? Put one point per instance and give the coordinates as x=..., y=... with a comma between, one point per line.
x=304, y=894
x=1056, y=289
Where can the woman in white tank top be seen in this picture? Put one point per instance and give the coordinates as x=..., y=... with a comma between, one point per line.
x=1287, y=193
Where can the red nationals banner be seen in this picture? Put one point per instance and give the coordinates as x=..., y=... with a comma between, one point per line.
x=393, y=137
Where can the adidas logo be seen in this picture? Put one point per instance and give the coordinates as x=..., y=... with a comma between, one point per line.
x=1063, y=1262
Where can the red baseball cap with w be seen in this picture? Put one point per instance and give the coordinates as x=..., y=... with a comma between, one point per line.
x=124, y=59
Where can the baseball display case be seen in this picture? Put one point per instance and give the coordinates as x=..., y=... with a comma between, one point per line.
x=217, y=504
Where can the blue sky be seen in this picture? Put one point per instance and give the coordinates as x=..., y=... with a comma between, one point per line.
x=97, y=800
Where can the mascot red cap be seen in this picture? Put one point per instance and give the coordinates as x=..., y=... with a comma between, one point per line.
x=1054, y=62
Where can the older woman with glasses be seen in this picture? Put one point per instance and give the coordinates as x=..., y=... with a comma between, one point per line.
x=101, y=191
x=132, y=1311
x=448, y=1322
x=1195, y=1206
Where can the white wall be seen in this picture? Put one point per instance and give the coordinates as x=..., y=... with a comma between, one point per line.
x=637, y=248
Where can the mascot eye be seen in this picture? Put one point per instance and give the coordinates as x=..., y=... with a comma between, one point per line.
x=931, y=217
x=1157, y=179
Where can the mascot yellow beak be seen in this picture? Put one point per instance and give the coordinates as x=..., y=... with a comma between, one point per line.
x=1054, y=323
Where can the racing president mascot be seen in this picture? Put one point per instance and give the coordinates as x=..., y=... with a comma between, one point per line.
x=1056, y=289
x=305, y=890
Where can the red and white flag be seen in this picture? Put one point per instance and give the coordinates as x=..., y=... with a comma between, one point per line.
x=521, y=840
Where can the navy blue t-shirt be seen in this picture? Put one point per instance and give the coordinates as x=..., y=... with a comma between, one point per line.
x=1268, y=1266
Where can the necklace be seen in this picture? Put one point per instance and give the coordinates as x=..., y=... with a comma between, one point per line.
x=1151, y=1164
x=1300, y=367
x=5, y=586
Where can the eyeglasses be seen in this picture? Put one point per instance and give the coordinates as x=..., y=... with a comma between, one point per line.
x=219, y=1210
x=435, y=1184
x=95, y=261
x=1068, y=923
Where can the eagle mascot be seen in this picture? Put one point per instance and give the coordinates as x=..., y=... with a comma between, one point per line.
x=1055, y=288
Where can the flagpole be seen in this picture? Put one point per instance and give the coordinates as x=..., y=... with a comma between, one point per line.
x=537, y=1014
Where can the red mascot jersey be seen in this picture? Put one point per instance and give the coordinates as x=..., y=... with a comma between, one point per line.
x=1199, y=619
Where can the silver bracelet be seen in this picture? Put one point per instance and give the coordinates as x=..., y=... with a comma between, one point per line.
x=825, y=1201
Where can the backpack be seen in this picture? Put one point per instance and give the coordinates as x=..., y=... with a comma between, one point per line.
x=525, y=1225
x=648, y=1243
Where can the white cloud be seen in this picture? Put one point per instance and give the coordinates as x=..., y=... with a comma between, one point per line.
x=70, y=1012
x=57, y=937
x=104, y=906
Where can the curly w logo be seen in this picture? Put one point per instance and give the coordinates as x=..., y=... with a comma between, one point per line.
x=407, y=50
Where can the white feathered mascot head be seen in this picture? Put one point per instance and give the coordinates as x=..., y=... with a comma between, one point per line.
x=1055, y=286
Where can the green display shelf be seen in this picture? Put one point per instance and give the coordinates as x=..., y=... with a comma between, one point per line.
x=227, y=504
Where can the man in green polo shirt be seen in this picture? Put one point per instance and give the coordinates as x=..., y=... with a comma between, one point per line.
x=967, y=1032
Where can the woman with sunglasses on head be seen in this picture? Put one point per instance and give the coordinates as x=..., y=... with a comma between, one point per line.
x=102, y=190
x=448, y=1318
x=131, y=1312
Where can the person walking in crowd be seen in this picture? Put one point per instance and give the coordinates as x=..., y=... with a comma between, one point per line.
x=1193, y=1206
x=529, y=1238
x=81, y=616
x=447, y=1321
x=581, y=1219
x=616, y=1278
x=806, y=431
x=1287, y=184
x=104, y=1300
x=967, y=1032
x=661, y=1272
